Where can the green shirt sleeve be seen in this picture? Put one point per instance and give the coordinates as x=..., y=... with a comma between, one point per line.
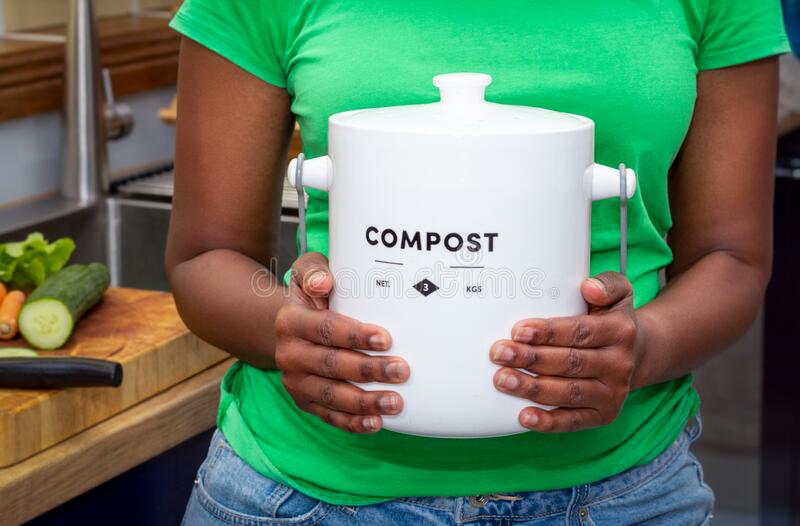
x=249, y=33
x=739, y=31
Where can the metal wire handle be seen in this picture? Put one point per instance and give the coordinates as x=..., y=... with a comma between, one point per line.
x=623, y=219
x=301, y=202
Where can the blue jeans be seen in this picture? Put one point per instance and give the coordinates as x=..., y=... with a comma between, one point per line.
x=667, y=491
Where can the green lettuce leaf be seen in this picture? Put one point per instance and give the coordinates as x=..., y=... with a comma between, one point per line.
x=26, y=264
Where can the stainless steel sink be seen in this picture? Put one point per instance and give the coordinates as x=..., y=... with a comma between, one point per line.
x=129, y=235
x=58, y=217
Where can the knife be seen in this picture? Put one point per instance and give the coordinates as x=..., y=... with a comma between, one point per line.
x=54, y=373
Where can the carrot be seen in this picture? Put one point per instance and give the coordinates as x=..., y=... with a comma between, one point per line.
x=9, y=312
x=2, y=292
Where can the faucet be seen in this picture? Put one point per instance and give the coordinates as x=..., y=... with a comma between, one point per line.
x=89, y=121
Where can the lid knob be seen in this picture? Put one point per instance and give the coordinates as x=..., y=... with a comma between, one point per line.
x=462, y=88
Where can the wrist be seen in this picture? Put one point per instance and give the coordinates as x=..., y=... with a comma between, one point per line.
x=649, y=341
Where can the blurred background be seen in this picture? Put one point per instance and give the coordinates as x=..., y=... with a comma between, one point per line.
x=50, y=58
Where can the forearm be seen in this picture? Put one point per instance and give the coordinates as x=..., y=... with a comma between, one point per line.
x=230, y=301
x=698, y=313
x=721, y=209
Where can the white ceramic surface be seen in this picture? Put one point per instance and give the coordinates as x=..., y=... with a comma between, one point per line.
x=492, y=205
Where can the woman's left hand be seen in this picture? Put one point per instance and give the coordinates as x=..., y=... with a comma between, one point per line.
x=585, y=365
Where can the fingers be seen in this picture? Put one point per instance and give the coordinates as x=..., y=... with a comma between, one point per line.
x=330, y=329
x=607, y=289
x=315, y=357
x=311, y=274
x=590, y=331
x=551, y=390
x=342, y=397
x=584, y=363
x=315, y=377
x=571, y=362
x=344, y=364
x=560, y=420
x=344, y=421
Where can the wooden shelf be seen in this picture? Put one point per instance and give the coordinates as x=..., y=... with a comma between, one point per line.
x=141, y=52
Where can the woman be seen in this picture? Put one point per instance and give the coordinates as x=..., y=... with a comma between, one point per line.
x=682, y=90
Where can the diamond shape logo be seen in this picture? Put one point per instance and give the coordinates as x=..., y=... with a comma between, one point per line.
x=426, y=287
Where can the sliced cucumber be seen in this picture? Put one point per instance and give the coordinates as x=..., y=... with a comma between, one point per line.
x=17, y=352
x=46, y=323
x=51, y=312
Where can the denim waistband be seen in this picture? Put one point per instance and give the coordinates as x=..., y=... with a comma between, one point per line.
x=541, y=504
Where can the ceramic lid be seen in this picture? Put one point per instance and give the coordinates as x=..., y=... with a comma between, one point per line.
x=462, y=110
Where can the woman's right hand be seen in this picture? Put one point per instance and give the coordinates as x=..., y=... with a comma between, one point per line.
x=316, y=357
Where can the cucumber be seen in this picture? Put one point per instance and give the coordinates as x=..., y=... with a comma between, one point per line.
x=50, y=313
x=17, y=352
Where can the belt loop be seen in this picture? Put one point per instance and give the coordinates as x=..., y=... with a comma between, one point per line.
x=576, y=510
x=694, y=428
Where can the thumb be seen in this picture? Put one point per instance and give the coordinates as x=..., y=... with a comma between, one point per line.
x=312, y=275
x=607, y=289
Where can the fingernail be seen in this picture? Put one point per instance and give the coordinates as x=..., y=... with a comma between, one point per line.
x=508, y=381
x=316, y=278
x=503, y=354
x=530, y=418
x=599, y=284
x=396, y=370
x=524, y=334
x=370, y=423
x=388, y=403
x=377, y=342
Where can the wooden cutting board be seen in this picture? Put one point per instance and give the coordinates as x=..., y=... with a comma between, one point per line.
x=137, y=328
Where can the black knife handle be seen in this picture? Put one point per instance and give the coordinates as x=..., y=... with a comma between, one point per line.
x=54, y=373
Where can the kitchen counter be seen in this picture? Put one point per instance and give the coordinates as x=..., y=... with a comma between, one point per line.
x=56, y=444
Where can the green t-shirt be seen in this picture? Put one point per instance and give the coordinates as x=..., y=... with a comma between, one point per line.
x=631, y=66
